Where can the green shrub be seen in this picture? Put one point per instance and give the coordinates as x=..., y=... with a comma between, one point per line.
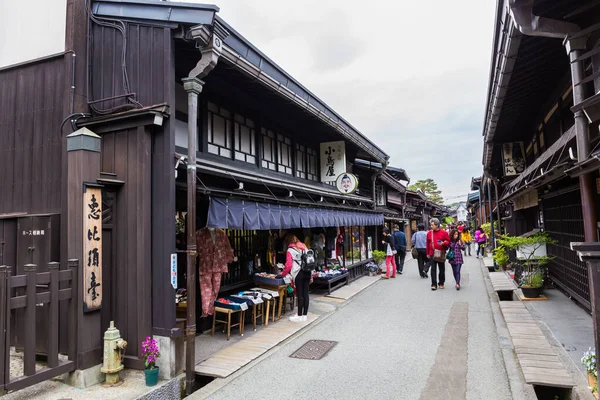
x=378, y=256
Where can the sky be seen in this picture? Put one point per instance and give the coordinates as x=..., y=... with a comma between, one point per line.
x=410, y=75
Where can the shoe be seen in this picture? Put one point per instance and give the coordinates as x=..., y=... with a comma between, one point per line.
x=433, y=288
x=304, y=318
x=385, y=277
x=442, y=287
x=457, y=286
x=400, y=272
x=425, y=276
x=296, y=318
x=393, y=276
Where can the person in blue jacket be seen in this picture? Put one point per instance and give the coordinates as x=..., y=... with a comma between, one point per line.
x=400, y=243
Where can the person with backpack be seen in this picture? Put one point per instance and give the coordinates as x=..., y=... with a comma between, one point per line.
x=390, y=251
x=299, y=262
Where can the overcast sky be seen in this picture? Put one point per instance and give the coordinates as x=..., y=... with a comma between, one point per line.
x=410, y=75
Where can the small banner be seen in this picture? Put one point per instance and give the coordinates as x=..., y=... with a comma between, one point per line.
x=513, y=157
x=92, y=248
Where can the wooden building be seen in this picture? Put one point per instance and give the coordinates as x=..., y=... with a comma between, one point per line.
x=541, y=128
x=109, y=114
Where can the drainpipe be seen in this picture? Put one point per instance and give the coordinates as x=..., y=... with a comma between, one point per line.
x=404, y=202
x=492, y=230
x=497, y=205
x=374, y=179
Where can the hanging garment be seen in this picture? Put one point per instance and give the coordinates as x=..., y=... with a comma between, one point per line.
x=214, y=253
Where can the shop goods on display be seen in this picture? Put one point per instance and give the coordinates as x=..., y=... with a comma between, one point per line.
x=330, y=272
x=230, y=304
x=268, y=279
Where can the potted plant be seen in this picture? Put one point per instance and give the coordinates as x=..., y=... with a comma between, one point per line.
x=378, y=259
x=501, y=258
x=150, y=355
x=372, y=268
x=589, y=361
x=531, y=257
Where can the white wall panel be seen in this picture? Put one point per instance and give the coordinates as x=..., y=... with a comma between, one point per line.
x=31, y=29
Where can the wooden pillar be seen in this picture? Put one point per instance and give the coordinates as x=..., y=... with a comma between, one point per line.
x=83, y=160
x=590, y=254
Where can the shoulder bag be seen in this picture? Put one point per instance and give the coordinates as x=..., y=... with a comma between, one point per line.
x=438, y=255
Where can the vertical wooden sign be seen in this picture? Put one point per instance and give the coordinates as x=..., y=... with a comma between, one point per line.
x=92, y=248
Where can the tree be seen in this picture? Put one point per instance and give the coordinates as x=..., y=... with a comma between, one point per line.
x=429, y=189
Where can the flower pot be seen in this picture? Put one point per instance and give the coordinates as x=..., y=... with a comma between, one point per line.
x=372, y=273
x=151, y=376
x=593, y=384
x=531, y=293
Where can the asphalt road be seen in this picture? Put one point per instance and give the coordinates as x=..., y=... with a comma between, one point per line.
x=396, y=340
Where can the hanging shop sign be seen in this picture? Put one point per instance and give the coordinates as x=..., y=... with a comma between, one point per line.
x=513, y=158
x=92, y=248
x=333, y=160
x=346, y=183
x=526, y=200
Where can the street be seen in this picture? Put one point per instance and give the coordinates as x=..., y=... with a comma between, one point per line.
x=396, y=340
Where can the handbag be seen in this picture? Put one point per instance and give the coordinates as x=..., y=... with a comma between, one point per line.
x=438, y=255
x=415, y=253
x=450, y=255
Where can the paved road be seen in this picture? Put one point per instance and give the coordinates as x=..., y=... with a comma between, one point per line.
x=397, y=340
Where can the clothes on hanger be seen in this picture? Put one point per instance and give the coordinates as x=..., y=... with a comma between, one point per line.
x=214, y=252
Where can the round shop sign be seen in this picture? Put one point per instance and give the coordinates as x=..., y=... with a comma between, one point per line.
x=346, y=183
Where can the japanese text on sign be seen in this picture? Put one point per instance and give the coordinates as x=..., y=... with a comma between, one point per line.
x=92, y=249
x=333, y=160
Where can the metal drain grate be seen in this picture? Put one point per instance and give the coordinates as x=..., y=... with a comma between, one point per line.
x=314, y=349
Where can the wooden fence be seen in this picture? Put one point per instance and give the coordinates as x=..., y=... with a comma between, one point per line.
x=39, y=288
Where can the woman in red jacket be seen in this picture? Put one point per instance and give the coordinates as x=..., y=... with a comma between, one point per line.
x=437, y=239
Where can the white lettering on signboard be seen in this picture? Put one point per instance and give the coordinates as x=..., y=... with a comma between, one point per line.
x=333, y=160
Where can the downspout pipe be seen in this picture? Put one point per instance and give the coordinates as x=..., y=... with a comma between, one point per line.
x=376, y=175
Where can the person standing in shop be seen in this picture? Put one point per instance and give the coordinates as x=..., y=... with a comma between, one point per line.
x=457, y=246
x=419, y=241
x=400, y=242
x=438, y=241
x=390, y=252
x=300, y=279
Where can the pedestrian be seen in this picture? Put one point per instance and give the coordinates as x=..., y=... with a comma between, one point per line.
x=480, y=239
x=419, y=242
x=390, y=252
x=400, y=242
x=300, y=279
x=437, y=243
x=466, y=238
x=457, y=246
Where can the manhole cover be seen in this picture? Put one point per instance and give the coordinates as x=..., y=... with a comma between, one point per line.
x=314, y=349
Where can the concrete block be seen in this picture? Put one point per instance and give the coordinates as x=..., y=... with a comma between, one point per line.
x=84, y=378
x=171, y=357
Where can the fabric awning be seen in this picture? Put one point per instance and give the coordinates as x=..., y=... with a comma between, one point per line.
x=245, y=214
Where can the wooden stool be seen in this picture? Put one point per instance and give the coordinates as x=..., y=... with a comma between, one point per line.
x=258, y=311
x=227, y=322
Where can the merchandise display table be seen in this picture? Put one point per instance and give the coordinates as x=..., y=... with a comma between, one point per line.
x=256, y=302
x=334, y=282
x=278, y=292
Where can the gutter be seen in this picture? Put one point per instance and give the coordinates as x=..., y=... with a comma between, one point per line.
x=377, y=174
